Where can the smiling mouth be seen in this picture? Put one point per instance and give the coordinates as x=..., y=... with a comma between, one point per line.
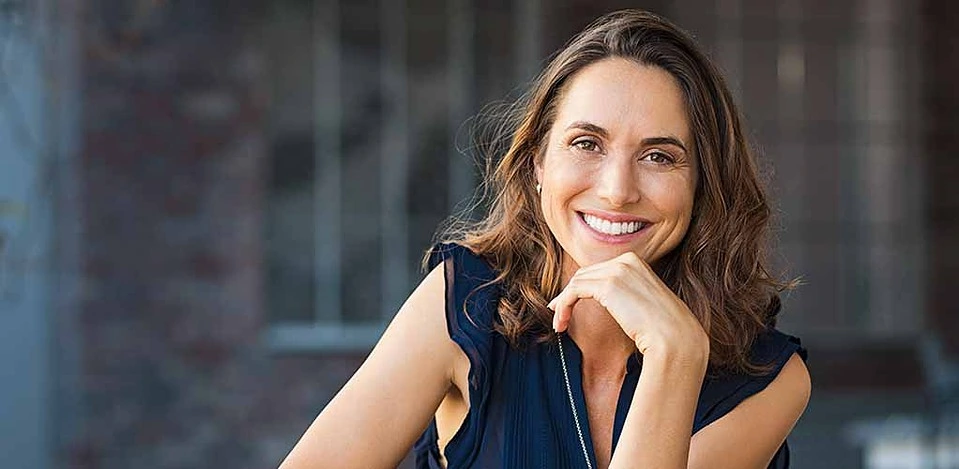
x=612, y=228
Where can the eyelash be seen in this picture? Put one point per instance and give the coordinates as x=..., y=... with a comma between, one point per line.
x=669, y=159
x=579, y=145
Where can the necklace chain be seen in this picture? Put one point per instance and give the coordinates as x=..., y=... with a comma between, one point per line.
x=572, y=404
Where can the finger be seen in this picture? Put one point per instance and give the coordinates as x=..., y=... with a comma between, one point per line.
x=564, y=302
x=624, y=270
x=562, y=311
x=558, y=305
x=629, y=262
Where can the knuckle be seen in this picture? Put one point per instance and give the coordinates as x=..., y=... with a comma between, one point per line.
x=608, y=287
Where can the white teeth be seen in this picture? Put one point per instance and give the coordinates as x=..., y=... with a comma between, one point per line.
x=612, y=228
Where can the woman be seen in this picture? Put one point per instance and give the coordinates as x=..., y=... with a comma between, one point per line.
x=613, y=302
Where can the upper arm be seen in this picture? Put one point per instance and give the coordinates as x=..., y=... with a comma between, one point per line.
x=375, y=418
x=750, y=434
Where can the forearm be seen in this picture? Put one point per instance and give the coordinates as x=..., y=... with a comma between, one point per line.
x=660, y=419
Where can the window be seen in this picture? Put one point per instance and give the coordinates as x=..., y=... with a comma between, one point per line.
x=829, y=95
x=370, y=101
x=368, y=96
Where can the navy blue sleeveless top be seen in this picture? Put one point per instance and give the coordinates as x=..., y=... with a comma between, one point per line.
x=519, y=413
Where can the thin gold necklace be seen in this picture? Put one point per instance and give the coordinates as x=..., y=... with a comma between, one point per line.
x=572, y=404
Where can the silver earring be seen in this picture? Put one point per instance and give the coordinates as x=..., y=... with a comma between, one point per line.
x=539, y=189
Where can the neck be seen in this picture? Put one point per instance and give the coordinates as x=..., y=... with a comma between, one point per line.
x=605, y=346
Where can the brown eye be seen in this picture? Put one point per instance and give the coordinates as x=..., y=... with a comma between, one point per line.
x=659, y=157
x=587, y=145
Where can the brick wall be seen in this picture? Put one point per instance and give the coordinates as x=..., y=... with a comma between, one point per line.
x=172, y=373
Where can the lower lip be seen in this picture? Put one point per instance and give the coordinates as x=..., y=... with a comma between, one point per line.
x=608, y=238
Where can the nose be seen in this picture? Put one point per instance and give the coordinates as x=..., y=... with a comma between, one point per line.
x=618, y=183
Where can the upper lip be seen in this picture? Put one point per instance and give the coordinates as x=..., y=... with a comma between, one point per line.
x=615, y=217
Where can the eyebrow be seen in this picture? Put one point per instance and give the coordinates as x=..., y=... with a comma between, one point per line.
x=662, y=140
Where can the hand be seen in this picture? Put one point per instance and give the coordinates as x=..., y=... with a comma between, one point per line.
x=644, y=307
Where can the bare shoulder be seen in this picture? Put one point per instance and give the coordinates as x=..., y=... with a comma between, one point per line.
x=422, y=318
x=794, y=383
x=431, y=324
x=750, y=434
x=789, y=393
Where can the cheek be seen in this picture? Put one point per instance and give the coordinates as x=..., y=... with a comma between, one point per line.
x=565, y=172
x=673, y=196
x=564, y=181
x=561, y=181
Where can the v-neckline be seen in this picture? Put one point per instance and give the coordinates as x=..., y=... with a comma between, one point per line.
x=623, y=401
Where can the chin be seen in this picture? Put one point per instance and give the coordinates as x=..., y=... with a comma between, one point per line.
x=587, y=257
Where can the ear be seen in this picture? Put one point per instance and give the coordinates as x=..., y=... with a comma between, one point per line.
x=538, y=169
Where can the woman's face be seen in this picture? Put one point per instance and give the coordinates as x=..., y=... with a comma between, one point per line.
x=619, y=171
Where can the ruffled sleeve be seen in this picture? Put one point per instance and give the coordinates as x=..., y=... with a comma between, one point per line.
x=471, y=302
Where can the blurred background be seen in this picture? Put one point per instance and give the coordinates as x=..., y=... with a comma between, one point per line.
x=209, y=210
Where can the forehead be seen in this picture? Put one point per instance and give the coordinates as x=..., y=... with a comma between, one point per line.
x=628, y=99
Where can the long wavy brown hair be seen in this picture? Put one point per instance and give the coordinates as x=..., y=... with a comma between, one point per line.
x=719, y=269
